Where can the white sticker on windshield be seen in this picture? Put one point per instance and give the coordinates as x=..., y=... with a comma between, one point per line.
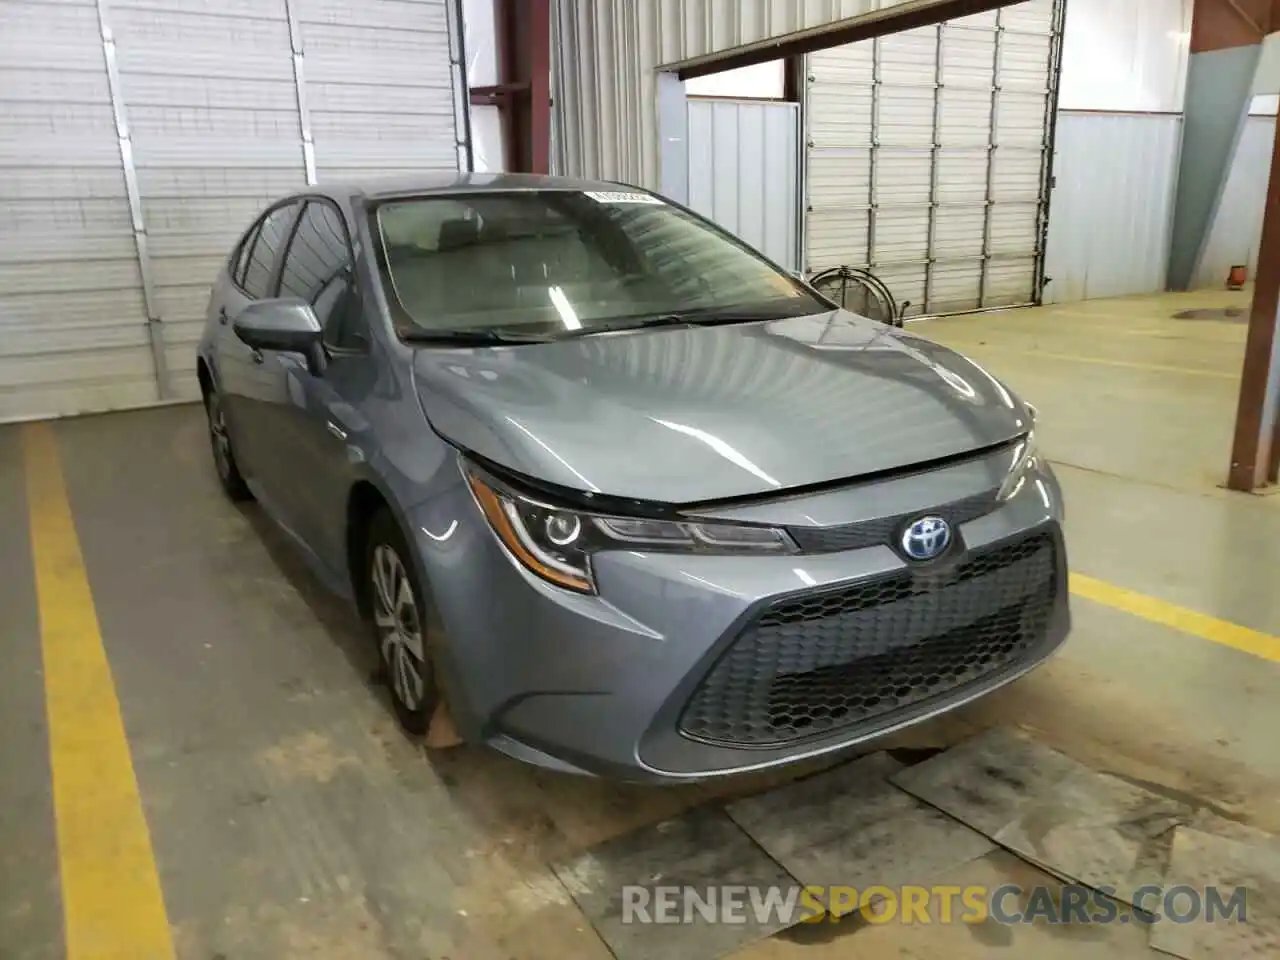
x=605, y=196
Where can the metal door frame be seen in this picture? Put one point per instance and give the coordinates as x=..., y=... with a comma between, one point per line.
x=1048, y=145
x=1047, y=180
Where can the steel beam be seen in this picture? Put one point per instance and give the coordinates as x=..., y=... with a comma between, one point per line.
x=1047, y=179
x=878, y=23
x=300, y=92
x=873, y=155
x=522, y=48
x=935, y=150
x=1226, y=37
x=1223, y=24
x=124, y=139
x=538, y=38
x=993, y=144
x=1255, y=450
x=1219, y=90
x=464, y=150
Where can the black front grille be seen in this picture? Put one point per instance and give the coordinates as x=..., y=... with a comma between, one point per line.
x=816, y=663
x=881, y=530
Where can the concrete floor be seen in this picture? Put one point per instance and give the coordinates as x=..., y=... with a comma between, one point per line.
x=288, y=818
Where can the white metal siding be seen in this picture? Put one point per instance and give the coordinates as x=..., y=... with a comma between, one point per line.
x=1125, y=55
x=378, y=86
x=219, y=97
x=209, y=91
x=1112, y=208
x=1116, y=171
x=608, y=53
x=742, y=171
x=73, y=326
x=926, y=158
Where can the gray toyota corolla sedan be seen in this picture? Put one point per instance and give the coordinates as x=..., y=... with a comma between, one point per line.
x=615, y=493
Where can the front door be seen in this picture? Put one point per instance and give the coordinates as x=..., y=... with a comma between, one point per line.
x=248, y=379
x=319, y=427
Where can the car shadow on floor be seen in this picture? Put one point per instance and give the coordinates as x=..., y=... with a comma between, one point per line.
x=525, y=816
x=537, y=815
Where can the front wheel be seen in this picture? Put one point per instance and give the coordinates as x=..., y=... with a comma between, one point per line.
x=400, y=625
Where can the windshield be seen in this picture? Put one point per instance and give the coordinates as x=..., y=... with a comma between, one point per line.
x=559, y=262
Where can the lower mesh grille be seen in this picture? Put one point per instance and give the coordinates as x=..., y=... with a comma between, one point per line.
x=813, y=664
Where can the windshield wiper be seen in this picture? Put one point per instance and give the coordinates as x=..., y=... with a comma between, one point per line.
x=475, y=336
x=702, y=317
x=688, y=318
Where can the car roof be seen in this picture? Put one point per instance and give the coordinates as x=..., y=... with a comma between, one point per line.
x=446, y=182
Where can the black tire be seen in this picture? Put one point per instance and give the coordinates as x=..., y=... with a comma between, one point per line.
x=224, y=458
x=408, y=671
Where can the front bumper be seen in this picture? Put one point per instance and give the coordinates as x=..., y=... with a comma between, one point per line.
x=673, y=671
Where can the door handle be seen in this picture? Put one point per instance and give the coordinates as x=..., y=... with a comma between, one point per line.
x=222, y=315
x=257, y=356
x=336, y=430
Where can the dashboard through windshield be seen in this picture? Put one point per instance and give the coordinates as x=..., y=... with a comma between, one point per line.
x=544, y=263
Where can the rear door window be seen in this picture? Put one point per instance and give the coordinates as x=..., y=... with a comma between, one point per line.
x=260, y=269
x=319, y=269
x=240, y=262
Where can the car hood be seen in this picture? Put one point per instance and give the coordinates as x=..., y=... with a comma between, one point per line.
x=690, y=414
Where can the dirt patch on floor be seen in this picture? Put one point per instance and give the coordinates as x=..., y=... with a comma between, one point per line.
x=311, y=756
x=1232, y=314
x=1084, y=716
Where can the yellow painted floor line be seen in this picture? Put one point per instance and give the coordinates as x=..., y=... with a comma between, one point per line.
x=1100, y=361
x=1062, y=324
x=113, y=907
x=1179, y=618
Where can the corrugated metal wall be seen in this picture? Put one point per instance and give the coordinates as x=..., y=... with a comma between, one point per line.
x=1237, y=228
x=742, y=171
x=1116, y=168
x=607, y=53
x=927, y=157
x=71, y=303
x=1119, y=131
x=212, y=111
x=379, y=86
x=1125, y=55
x=220, y=106
x=1119, y=56
x=1113, y=205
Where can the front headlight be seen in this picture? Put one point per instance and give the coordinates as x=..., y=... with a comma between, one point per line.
x=1025, y=459
x=557, y=543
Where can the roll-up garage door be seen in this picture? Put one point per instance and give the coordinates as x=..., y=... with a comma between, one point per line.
x=928, y=156
x=220, y=106
x=73, y=324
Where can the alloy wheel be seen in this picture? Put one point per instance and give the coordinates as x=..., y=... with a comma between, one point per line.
x=399, y=625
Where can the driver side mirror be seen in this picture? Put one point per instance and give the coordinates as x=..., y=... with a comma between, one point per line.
x=285, y=324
